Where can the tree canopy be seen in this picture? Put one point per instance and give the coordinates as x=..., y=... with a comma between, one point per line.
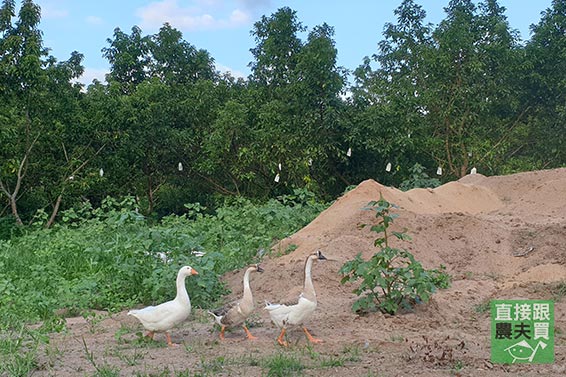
x=168, y=129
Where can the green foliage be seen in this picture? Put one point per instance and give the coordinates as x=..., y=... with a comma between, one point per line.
x=463, y=93
x=545, y=55
x=418, y=179
x=392, y=278
x=111, y=257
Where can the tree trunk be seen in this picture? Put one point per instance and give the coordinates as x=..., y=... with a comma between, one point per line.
x=149, y=194
x=54, y=212
x=14, y=207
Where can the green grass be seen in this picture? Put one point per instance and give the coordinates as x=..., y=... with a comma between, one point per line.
x=559, y=291
x=19, y=351
x=281, y=365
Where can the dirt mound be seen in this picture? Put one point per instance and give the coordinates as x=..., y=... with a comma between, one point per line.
x=499, y=237
x=501, y=225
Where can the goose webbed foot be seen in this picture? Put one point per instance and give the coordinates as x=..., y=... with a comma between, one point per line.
x=280, y=339
x=248, y=333
x=311, y=338
x=169, y=342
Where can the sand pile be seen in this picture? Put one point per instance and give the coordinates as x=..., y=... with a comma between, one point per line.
x=511, y=226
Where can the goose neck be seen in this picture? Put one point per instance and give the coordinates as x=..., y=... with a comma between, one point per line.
x=247, y=289
x=182, y=294
x=308, y=286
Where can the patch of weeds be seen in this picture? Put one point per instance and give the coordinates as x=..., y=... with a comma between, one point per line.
x=482, y=307
x=282, y=365
x=189, y=348
x=145, y=341
x=244, y=360
x=19, y=351
x=352, y=353
x=93, y=319
x=19, y=364
x=321, y=360
x=104, y=370
x=290, y=248
x=310, y=352
x=133, y=358
x=396, y=338
x=52, y=353
x=119, y=334
x=457, y=367
x=559, y=291
x=200, y=316
x=214, y=366
x=331, y=361
x=439, y=353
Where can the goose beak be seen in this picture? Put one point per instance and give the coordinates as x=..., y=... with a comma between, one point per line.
x=259, y=269
x=320, y=256
x=194, y=272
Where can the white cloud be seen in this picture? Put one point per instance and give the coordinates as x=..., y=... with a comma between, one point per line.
x=254, y=4
x=94, y=20
x=239, y=17
x=50, y=12
x=203, y=15
x=233, y=72
x=92, y=73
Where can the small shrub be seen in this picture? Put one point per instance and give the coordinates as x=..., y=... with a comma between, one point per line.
x=392, y=278
x=418, y=179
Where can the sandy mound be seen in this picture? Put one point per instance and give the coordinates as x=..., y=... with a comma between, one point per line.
x=505, y=225
x=499, y=237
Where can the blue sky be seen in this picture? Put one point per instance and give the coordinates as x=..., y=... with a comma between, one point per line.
x=223, y=27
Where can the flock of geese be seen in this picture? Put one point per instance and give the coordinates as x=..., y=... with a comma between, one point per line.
x=164, y=317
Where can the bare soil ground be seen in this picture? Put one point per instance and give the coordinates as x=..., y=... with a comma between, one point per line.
x=500, y=237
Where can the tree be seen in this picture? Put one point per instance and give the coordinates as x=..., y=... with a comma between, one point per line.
x=294, y=93
x=470, y=87
x=318, y=84
x=277, y=47
x=41, y=122
x=21, y=81
x=129, y=58
x=160, y=85
x=176, y=61
x=389, y=121
x=546, y=57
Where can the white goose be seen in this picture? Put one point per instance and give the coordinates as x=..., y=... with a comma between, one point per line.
x=296, y=312
x=163, y=317
x=236, y=313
